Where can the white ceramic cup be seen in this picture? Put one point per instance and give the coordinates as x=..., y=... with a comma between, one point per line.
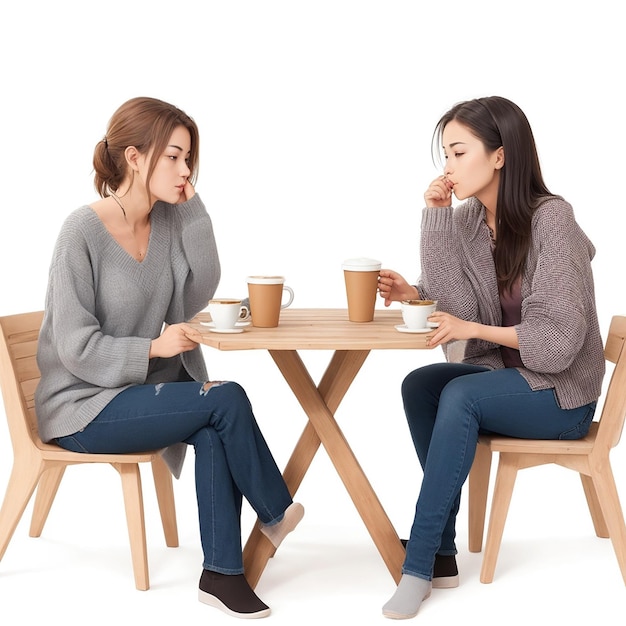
x=226, y=312
x=415, y=313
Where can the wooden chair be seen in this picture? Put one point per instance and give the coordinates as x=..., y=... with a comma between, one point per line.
x=41, y=465
x=588, y=456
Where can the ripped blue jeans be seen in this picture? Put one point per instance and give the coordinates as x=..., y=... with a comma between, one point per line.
x=232, y=458
x=447, y=405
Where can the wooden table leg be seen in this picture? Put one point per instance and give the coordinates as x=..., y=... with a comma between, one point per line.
x=320, y=404
x=332, y=388
x=258, y=549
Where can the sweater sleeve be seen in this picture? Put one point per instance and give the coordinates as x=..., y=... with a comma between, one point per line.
x=196, y=252
x=554, y=318
x=443, y=276
x=82, y=347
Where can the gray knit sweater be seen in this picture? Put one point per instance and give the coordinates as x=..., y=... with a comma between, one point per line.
x=103, y=308
x=559, y=337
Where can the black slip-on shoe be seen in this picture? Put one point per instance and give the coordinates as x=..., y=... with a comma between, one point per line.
x=231, y=594
x=445, y=571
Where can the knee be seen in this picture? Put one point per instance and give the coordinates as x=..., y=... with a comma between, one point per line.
x=226, y=386
x=410, y=382
x=229, y=394
x=237, y=393
x=418, y=379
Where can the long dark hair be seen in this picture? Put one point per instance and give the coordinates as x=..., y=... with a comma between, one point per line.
x=146, y=123
x=498, y=122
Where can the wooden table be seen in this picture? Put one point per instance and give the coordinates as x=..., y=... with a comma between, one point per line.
x=322, y=329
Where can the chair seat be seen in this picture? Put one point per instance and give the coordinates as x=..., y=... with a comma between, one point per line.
x=498, y=443
x=53, y=452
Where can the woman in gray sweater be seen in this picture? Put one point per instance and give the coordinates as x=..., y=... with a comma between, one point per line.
x=511, y=271
x=118, y=370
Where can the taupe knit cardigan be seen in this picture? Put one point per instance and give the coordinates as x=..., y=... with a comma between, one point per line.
x=559, y=336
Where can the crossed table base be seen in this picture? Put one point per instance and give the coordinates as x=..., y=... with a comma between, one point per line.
x=351, y=342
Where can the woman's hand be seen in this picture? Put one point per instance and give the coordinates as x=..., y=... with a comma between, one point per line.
x=188, y=193
x=450, y=328
x=439, y=193
x=392, y=287
x=174, y=340
x=454, y=329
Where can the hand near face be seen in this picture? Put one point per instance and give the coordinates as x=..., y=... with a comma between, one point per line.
x=188, y=193
x=439, y=193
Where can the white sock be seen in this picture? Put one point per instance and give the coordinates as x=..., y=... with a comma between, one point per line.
x=277, y=532
x=409, y=595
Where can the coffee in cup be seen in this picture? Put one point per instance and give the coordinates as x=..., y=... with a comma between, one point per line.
x=415, y=313
x=226, y=312
x=361, y=278
x=266, y=299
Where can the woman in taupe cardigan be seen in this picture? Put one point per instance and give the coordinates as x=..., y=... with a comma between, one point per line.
x=511, y=271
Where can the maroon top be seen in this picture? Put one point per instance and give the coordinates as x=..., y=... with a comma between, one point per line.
x=511, y=304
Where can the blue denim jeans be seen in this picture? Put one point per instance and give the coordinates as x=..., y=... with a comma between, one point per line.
x=232, y=457
x=447, y=405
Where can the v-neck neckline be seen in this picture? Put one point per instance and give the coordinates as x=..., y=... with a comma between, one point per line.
x=122, y=252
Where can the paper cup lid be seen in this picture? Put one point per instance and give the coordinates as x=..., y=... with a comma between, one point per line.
x=361, y=264
x=266, y=280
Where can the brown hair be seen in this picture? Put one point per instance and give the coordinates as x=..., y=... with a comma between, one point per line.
x=498, y=122
x=147, y=124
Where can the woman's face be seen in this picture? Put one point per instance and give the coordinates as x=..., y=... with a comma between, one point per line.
x=171, y=170
x=469, y=167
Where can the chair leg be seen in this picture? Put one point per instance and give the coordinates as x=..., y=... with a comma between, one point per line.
x=165, y=498
x=46, y=491
x=21, y=486
x=599, y=523
x=503, y=490
x=478, y=491
x=133, y=502
x=612, y=510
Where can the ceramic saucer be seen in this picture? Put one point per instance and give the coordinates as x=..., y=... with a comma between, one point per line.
x=225, y=330
x=403, y=329
x=211, y=325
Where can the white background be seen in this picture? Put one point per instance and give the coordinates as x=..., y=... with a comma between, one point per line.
x=316, y=121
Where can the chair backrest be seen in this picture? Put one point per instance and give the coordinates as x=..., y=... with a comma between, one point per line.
x=614, y=407
x=19, y=375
